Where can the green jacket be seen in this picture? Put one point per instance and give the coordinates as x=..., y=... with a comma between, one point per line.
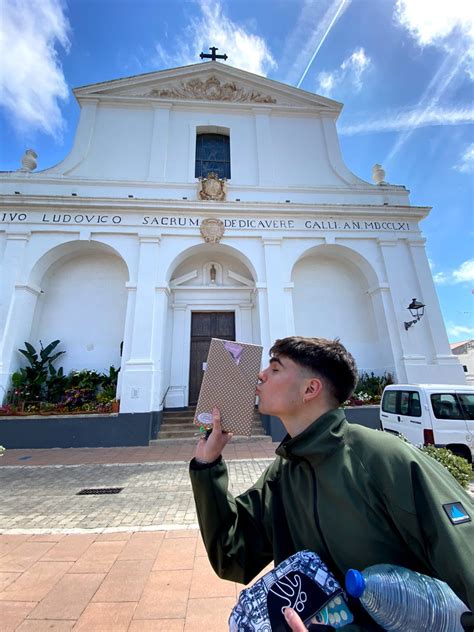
x=355, y=496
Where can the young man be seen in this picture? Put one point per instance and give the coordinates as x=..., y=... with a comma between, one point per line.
x=355, y=496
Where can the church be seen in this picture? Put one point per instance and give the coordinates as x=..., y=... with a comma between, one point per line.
x=206, y=201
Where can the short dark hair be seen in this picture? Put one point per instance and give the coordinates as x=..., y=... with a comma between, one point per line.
x=327, y=359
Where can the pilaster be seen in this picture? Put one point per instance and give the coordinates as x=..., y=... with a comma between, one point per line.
x=159, y=143
x=266, y=176
x=138, y=387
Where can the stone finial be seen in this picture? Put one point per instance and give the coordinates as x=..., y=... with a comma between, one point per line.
x=29, y=160
x=378, y=174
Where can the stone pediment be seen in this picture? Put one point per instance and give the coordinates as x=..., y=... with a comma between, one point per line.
x=210, y=82
x=210, y=89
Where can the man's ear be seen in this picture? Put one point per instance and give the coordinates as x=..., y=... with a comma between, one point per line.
x=314, y=388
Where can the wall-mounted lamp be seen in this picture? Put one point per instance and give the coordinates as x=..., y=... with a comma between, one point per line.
x=417, y=309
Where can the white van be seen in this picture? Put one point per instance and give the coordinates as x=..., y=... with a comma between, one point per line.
x=439, y=414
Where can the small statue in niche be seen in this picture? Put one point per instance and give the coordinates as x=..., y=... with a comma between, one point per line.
x=212, y=274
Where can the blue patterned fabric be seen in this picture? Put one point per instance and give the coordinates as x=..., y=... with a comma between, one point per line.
x=302, y=582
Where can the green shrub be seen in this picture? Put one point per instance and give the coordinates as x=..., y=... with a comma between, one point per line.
x=373, y=385
x=457, y=466
x=2, y=450
x=32, y=382
x=107, y=394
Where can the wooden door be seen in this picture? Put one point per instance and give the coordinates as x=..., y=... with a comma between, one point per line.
x=204, y=326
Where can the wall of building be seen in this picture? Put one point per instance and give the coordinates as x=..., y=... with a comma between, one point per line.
x=106, y=246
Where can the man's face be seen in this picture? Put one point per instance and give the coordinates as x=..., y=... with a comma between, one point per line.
x=281, y=387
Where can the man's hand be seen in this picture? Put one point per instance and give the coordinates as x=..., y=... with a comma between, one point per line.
x=208, y=450
x=294, y=620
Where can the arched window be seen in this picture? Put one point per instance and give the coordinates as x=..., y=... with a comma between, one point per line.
x=212, y=154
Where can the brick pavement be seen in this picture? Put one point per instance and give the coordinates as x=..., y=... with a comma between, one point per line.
x=130, y=568
x=113, y=582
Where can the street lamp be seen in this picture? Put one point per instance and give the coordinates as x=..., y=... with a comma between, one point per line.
x=417, y=309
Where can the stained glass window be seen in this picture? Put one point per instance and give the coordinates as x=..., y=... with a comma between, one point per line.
x=212, y=154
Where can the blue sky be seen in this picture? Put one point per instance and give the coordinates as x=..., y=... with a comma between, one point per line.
x=403, y=69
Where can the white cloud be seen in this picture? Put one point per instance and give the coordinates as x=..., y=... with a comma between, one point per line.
x=466, y=164
x=32, y=81
x=438, y=23
x=458, y=331
x=409, y=120
x=246, y=50
x=465, y=272
x=440, y=278
x=349, y=72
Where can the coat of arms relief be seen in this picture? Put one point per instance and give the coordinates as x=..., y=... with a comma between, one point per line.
x=212, y=230
x=212, y=187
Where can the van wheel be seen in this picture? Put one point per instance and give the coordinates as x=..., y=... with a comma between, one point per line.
x=461, y=450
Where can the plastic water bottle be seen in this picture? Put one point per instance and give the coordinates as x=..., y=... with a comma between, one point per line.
x=399, y=599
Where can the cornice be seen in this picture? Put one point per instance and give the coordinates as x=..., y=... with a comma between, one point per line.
x=200, y=207
x=192, y=104
x=41, y=178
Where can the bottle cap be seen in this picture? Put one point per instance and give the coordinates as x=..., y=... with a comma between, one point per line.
x=355, y=583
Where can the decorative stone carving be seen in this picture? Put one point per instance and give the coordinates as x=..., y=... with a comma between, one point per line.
x=211, y=90
x=212, y=230
x=378, y=174
x=29, y=160
x=212, y=187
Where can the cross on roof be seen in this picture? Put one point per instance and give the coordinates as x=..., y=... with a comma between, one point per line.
x=213, y=55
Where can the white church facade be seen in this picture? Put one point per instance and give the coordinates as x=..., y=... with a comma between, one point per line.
x=129, y=258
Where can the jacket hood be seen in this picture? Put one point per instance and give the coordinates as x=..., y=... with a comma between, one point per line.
x=318, y=441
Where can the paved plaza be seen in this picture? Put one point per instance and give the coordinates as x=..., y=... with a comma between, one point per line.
x=154, y=495
x=127, y=562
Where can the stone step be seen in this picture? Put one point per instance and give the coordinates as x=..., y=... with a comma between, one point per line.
x=191, y=428
x=178, y=425
x=189, y=420
x=193, y=439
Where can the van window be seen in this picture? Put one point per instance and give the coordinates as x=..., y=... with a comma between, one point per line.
x=467, y=404
x=415, y=405
x=389, y=402
x=402, y=403
x=445, y=406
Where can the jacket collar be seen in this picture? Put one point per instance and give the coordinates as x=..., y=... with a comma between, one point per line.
x=318, y=441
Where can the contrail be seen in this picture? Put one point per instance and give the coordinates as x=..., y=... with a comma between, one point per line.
x=333, y=21
x=431, y=96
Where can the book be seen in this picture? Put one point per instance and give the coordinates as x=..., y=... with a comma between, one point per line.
x=229, y=382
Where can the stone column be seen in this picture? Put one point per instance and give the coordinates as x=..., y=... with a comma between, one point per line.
x=159, y=142
x=176, y=397
x=262, y=304
x=246, y=333
x=410, y=345
x=289, y=309
x=10, y=271
x=266, y=176
x=383, y=309
x=127, y=333
x=159, y=333
x=138, y=380
x=433, y=319
x=275, y=291
x=17, y=329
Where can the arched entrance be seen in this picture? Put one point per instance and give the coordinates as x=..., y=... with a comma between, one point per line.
x=212, y=296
